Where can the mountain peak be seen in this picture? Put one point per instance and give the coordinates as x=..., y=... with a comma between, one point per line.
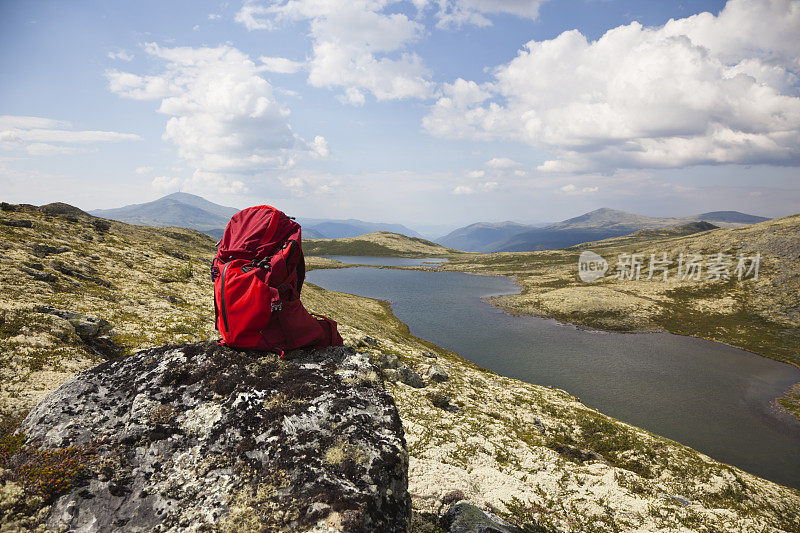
x=176, y=209
x=182, y=196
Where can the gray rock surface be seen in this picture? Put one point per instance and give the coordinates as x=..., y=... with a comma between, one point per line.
x=442, y=401
x=388, y=361
x=203, y=437
x=43, y=250
x=405, y=374
x=437, y=374
x=17, y=223
x=463, y=517
x=86, y=327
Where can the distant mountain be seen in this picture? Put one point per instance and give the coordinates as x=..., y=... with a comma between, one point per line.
x=337, y=229
x=189, y=211
x=482, y=236
x=311, y=233
x=605, y=223
x=178, y=209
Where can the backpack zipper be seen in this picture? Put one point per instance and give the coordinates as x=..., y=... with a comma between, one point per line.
x=222, y=297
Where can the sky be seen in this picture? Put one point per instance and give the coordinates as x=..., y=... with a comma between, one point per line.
x=431, y=113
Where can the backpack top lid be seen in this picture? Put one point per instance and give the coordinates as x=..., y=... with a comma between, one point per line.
x=255, y=232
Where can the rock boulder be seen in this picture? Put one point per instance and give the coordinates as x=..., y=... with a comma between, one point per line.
x=202, y=437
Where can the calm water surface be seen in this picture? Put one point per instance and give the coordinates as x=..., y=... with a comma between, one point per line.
x=707, y=395
x=386, y=261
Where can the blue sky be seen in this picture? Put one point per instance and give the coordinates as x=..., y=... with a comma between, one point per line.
x=426, y=112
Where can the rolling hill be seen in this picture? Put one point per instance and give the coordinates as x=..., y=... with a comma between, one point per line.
x=379, y=243
x=327, y=228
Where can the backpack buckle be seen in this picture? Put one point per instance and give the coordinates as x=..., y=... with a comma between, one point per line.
x=263, y=263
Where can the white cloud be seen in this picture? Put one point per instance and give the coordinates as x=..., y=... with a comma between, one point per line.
x=140, y=87
x=51, y=149
x=502, y=163
x=22, y=122
x=460, y=12
x=122, y=54
x=463, y=190
x=701, y=90
x=476, y=174
x=44, y=136
x=282, y=65
x=572, y=189
x=253, y=16
x=166, y=183
x=224, y=118
x=319, y=147
x=357, y=46
x=214, y=16
x=143, y=170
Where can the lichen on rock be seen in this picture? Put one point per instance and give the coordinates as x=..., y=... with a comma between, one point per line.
x=201, y=435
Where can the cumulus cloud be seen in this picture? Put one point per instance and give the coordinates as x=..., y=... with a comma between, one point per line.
x=319, y=147
x=484, y=186
x=502, y=163
x=122, y=54
x=572, y=189
x=253, y=16
x=357, y=46
x=143, y=170
x=44, y=136
x=224, y=118
x=282, y=65
x=700, y=90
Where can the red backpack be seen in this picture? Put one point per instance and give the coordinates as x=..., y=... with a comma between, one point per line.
x=258, y=273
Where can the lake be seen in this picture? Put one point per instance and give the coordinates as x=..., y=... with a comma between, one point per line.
x=707, y=395
x=386, y=261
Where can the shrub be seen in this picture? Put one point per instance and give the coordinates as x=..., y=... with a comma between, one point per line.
x=42, y=473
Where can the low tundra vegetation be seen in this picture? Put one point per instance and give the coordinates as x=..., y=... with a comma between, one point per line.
x=534, y=454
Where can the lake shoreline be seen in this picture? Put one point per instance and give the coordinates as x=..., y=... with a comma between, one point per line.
x=764, y=404
x=788, y=402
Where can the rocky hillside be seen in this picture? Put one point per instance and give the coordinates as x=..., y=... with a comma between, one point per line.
x=477, y=443
x=148, y=286
x=380, y=243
